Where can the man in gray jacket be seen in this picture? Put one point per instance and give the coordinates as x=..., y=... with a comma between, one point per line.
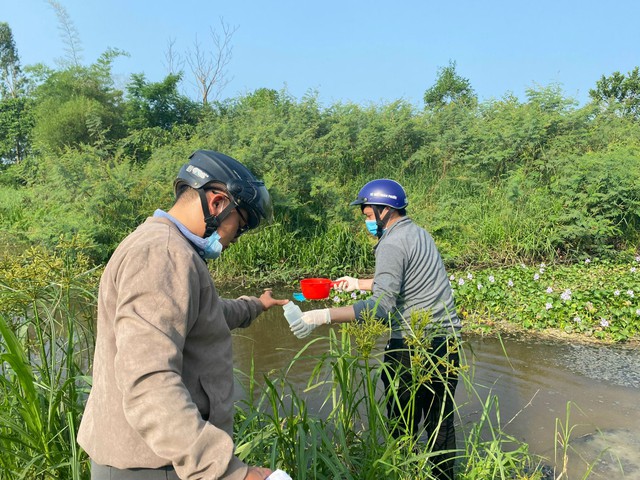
x=410, y=281
x=161, y=404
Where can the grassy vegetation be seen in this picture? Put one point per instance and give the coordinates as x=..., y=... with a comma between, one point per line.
x=46, y=316
x=47, y=308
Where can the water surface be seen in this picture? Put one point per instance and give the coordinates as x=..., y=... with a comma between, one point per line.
x=548, y=391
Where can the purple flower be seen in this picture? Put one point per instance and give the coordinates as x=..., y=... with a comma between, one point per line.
x=616, y=293
x=336, y=299
x=548, y=306
x=461, y=281
x=510, y=283
x=630, y=293
x=479, y=286
x=566, y=295
x=604, y=322
x=549, y=290
x=577, y=319
x=492, y=278
x=587, y=260
x=536, y=277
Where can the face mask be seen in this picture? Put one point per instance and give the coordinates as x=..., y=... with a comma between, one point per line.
x=213, y=247
x=372, y=226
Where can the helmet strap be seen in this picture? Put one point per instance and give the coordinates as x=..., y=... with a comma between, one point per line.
x=212, y=222
x=381, y=222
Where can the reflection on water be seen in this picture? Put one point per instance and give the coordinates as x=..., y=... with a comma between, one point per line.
x=534, y=380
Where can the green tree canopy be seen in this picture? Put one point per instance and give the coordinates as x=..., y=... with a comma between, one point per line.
x=449, y=88
x=619, y=92
x=158, y=104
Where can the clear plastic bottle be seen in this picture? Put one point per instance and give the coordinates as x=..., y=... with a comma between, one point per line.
x=279, y=474
x=292, y=312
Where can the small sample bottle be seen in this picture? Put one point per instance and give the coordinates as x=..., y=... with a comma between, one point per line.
x=279, y=474
x=292, y=312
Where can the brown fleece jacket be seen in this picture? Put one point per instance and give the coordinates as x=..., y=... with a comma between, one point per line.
x=162, y=389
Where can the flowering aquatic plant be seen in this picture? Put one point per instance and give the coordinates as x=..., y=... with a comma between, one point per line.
x=593, y=298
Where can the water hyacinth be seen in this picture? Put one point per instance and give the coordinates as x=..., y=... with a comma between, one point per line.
x=584, y=298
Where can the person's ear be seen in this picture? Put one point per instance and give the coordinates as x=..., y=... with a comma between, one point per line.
x=215, y=202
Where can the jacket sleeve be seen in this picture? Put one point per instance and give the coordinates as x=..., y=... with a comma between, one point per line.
x=387, y=283
x=240, y=312
x=150, y=329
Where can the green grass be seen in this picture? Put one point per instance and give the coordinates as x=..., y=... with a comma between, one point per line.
x=351, y=437
x=44, y=357
x=47, y=306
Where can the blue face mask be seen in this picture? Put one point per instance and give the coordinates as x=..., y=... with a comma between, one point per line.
x=213, y=247
x=372, y=226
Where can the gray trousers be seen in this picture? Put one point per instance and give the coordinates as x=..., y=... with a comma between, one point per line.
x=103, y=472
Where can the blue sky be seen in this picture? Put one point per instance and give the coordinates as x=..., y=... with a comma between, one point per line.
x=352, y=51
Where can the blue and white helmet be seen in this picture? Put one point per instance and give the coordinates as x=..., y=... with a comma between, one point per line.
x=382, y=192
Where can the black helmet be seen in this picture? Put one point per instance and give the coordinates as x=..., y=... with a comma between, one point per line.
x=206, y=168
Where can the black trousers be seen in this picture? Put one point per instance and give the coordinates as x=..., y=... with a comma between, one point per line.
x=104, y=472
x=430, y=401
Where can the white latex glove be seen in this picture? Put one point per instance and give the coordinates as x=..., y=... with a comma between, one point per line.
x=301, y=329
x=310, y=320
x=347, y=284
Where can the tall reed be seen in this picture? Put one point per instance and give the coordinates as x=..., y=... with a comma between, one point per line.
x=47, y=337
x=351, y=437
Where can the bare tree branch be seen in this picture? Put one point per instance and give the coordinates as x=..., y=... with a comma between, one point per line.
x=70, y=35
x=209, y=67
x=174, y=63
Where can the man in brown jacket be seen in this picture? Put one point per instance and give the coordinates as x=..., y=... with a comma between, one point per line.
x=161, y=404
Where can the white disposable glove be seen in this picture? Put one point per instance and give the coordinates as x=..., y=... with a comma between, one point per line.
x=347, y=284
x=310, y=320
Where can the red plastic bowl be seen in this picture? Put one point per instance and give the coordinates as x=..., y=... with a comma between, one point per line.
x=316, y=288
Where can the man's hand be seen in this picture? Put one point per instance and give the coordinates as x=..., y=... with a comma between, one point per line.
x=257, y=473
x=347, y=284
x=309, y=321
x=268, y=301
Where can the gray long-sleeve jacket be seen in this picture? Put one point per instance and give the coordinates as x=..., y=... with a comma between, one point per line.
x=409, y=275
x=162, y=389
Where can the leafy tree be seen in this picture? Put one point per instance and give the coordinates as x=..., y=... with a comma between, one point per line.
x=16, y=120
x=10, y=71
x=79, y=105
x=158, y=104
x=619, y=92
x=449, y=88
